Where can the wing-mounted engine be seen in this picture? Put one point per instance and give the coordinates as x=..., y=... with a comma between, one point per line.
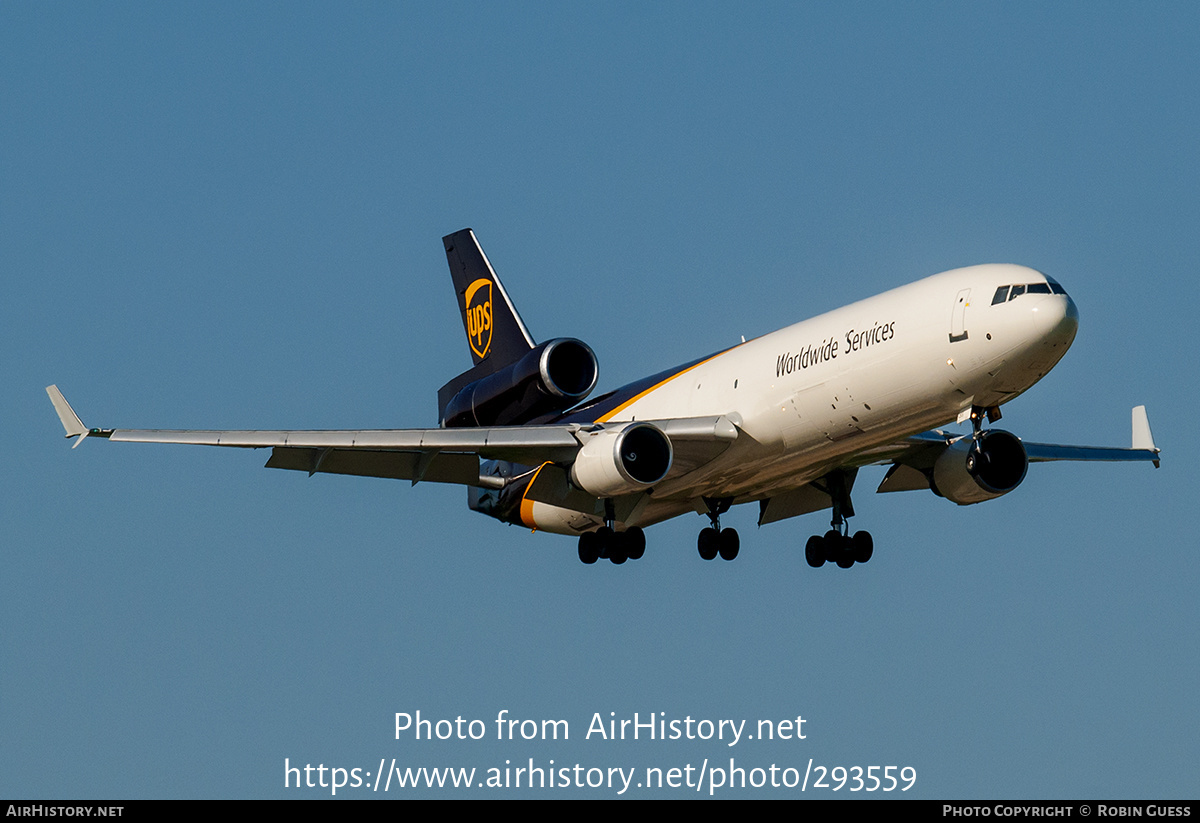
x=621, y=461
x=552, y=377
x=965, y=475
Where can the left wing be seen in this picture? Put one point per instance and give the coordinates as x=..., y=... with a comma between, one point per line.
x=442, y=455
x=912, y=461
x=915, y=456
x=1143, y=447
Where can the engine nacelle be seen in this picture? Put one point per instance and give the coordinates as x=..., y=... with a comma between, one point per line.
x=622, y=461
x=964, y=476
x=552, y=377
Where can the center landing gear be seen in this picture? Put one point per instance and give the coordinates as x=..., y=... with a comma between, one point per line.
x=714, y=540
x=836, y=545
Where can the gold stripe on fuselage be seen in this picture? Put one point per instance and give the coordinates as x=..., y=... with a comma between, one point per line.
x=604, y=418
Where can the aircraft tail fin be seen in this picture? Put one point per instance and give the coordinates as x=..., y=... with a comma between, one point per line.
x=495, y=333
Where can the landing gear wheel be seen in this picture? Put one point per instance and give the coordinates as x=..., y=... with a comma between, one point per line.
x=832, y=543
x=845, y=558
x=729, y=544
x=615, y=543
x=609, y=544
x=589, y=548
x=635, y=543
x=864, y=546
x=814, y=551
x=708, y=543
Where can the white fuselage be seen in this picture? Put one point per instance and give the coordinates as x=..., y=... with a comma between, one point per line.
x=825, y=391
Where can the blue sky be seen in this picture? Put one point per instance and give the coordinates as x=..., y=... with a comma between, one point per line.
x=223, y=216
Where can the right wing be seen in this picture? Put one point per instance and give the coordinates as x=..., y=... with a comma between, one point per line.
x=443, y=455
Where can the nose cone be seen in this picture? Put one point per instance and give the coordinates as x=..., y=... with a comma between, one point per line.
x=1056, y=319
x=1071, y=317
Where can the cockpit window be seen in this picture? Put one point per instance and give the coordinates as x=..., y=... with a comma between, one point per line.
x=1005, y=293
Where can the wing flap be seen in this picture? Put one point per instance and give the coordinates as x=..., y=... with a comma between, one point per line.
x=440, y=467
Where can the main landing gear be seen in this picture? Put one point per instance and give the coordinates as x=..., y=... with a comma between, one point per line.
x=836, y=545
x=714, y=540
x=614, y=545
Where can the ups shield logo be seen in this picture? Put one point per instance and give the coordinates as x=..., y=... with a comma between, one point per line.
x=478, y=301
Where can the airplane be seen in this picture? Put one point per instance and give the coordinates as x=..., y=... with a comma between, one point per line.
x=785, y=420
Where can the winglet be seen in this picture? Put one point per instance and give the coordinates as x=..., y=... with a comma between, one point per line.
x=1142, y=438
x=70, y=420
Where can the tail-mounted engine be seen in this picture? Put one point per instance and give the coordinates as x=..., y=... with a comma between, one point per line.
x=614, y=462
x=965, y=475
x=552, y=377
